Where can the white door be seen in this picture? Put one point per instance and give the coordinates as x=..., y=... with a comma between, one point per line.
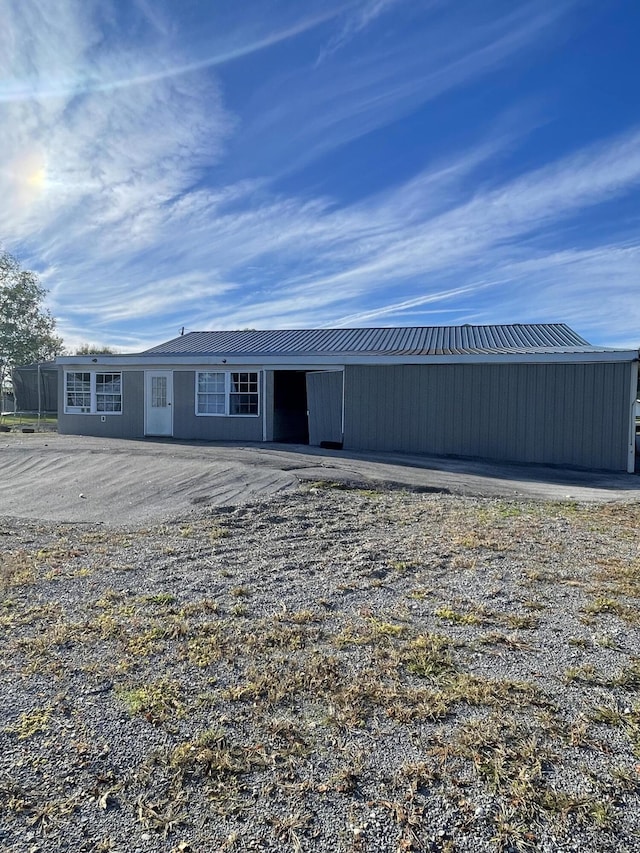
x=158, y=395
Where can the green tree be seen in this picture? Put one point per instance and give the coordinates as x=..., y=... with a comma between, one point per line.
x=27, y=329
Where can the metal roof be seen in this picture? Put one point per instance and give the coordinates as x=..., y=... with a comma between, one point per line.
x=401, y=341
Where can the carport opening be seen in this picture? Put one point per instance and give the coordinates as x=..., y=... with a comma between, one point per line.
x=290, y=420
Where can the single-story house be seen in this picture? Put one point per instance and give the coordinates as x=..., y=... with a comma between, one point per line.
x=534, y=393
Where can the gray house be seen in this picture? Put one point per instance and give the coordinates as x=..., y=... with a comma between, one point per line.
x=523, y=393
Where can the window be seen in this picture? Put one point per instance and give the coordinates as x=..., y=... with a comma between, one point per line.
x=93, y=393
x=159, y=392
x=227, y=393
x=211, y=394
x=108, y=394
x=243, y=394
x=78, y=397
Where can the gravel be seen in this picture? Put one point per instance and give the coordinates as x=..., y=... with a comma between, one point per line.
x=334, y=669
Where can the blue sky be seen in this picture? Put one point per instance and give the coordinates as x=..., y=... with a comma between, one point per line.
x=285, y=164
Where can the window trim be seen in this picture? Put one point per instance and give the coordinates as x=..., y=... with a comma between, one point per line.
x=92, y=408
x=228, y=394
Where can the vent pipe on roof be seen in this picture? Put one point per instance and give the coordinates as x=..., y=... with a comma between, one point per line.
x=182, y=332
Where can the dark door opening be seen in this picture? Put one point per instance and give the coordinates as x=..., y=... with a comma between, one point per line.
x=290, y=422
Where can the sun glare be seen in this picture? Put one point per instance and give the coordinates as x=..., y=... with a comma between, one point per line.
x=37, y=178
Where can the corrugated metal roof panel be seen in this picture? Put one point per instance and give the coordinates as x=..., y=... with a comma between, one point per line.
x=409, y=340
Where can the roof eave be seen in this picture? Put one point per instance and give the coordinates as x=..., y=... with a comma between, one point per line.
x=311, y=362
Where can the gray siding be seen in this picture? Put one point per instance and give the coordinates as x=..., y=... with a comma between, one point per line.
x=324, y=400
x=267, y=403
x=564, y=414
x=187, y=425
x=129, y=424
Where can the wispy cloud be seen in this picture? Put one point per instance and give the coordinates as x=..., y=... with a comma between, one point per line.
x=152, y=205
x=357, y=93
x=130, y=67
x=356, y=20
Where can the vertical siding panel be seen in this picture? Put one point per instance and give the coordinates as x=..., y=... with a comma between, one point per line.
x=268, y=402
x=428, y=391
x=405, y=408
x=448, y=425
x=576, y=406
x=619, y=414
x=540, y=434
x=514, y=411
x=324, y=402
x=388, y=399
x=497, y=439
x=376, y=427
x=554, y=413
x=598, y=402
x=609, y=380
x=471, y=418
x=592, y=404
x=455, y=410
x=558, y=384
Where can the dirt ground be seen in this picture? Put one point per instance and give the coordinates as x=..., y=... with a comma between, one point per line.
x=113, y=481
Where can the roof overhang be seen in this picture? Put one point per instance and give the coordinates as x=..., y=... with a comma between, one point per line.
x=313, y=362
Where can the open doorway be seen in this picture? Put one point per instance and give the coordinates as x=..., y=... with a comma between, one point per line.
x=290, y=422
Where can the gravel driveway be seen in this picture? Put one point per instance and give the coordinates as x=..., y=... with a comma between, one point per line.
x=321, y=666
x=112, y=481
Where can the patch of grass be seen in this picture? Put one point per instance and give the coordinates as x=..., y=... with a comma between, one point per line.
x=206, y=650
x=519, y=622
x=17, y=568
x=59, y=552
x=197, y=608
x=212, y=755
x=299, y=617
x=448, y=614
x=605, y=604
x=512, y=758
x=147, y=643
x=579, y=642
x=420, y=593
x=157, y=701
x=402, y=566
x=162, y=599
x=428, y=655
x=161, y=814
x=627, y=677
x=621, y=577
x=534, y=604
x=268, y=635
x=32, y=722
x=509, y=641
x=372, y=631
x=287, y=828
x=627, y=719
x=240, y=592
x=321, y=485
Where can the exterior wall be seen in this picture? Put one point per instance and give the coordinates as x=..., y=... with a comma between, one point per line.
x=129, y=424
x=564, y=414
x=324, y=399
x=267, y=404
x=188, y=425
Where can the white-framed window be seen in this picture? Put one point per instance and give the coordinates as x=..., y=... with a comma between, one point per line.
x=89, y=393
x=233, y=393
